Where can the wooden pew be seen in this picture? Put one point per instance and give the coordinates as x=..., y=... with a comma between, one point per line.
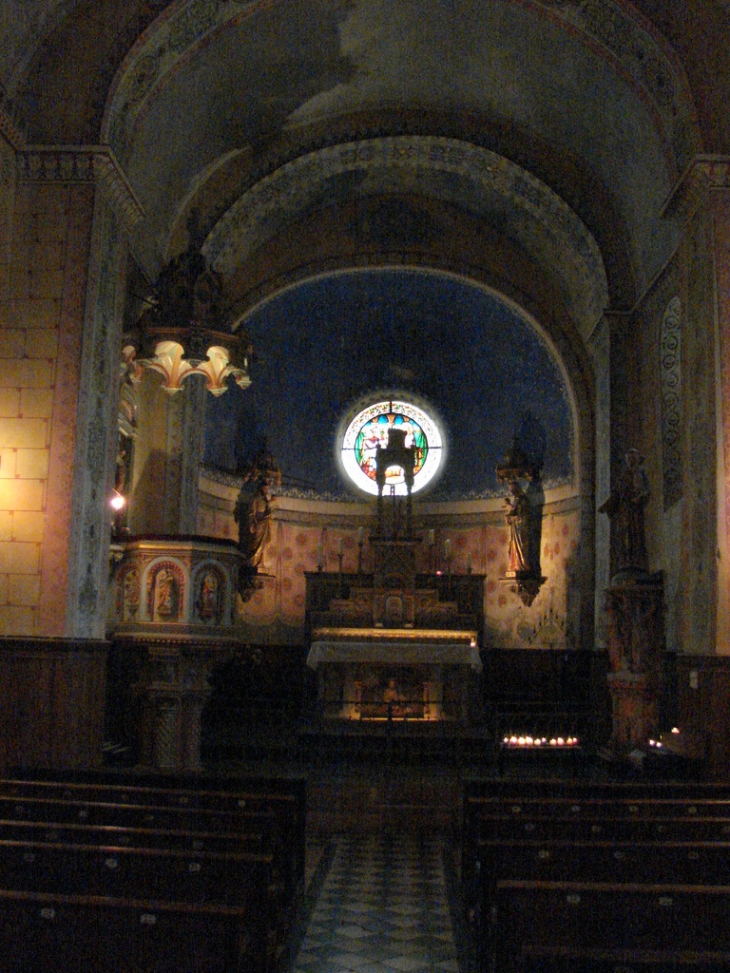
x=650, y=862
x=56, y=933
x=633, y=807
x=581, y=922
x=285, y=797
x=623, y=819
x=602, y=828
x=598, y=833
x=150, y=873
x=239, y=851
x=526, y=787
x=92, y=834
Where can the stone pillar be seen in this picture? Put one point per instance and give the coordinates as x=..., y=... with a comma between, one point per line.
x=61, y=318
x=720, y=207
x=700, y=205
x=634, y=611
x=174, y=689
x=607, y=353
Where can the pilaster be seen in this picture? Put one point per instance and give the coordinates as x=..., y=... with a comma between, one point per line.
x=701, y=204
x=72, y=211
x=609, y=354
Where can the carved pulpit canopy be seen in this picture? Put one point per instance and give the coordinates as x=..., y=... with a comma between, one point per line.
x=184, y=329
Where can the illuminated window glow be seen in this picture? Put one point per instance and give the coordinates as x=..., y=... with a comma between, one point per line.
x=369, y=430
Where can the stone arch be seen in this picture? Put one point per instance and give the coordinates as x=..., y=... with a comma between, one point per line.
x=455, y=172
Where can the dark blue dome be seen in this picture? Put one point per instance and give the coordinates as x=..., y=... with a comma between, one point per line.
x=328, y=342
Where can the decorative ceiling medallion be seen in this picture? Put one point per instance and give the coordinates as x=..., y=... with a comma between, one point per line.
x=367, y=432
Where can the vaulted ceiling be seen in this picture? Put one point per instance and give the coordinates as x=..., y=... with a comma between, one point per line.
x=586, y=108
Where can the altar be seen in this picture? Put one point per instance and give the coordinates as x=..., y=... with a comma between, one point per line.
x=395, y=674
x=394, y=645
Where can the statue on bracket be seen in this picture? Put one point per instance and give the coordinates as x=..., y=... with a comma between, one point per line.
x=253, y=511
x=517, y=515
x=625, y=508
x=524, y=518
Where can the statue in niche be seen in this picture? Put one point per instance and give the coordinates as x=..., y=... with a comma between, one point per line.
x=166, y=596
x=518, y=521
x=625, y=508
x=252, y=512
x=209, y=598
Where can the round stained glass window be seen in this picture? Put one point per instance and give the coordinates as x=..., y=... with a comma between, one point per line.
x=368, y=432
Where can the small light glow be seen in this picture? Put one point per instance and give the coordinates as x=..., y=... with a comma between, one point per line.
x=117, y=501
x=675, y=729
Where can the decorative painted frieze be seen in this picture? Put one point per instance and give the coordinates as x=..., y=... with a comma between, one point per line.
x=88, y=164
x=547, y=223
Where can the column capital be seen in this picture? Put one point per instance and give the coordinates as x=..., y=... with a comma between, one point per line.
x=95, y=164
x=704, y=174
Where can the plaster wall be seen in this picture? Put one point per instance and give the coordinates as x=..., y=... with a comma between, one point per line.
x=306, y=534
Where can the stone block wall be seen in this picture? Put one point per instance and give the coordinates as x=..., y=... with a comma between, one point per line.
x=44, y=226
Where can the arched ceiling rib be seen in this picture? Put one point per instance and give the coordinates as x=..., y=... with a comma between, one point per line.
x=479, y=181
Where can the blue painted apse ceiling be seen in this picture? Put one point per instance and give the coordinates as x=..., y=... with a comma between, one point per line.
x=322, y=346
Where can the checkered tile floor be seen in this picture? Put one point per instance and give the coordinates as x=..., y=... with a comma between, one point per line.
x=382, y=908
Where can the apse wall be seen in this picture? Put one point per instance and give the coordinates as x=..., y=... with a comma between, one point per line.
x=308, y=535
x=482, y=368
x=487, y=372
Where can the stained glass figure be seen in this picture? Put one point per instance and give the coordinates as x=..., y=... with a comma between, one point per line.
x=368, y=432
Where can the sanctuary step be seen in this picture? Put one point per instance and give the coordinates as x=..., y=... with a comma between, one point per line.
x=376, y=802
x=397, y=743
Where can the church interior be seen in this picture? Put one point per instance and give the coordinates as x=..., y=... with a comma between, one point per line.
x=364, y=485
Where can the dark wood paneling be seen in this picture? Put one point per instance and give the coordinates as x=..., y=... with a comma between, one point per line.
x=51, y=702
